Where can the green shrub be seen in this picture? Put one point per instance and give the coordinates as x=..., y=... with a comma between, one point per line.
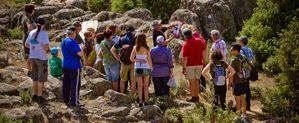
x=98, y=5
x=15, y=33
x=163, y=102
x=173, y=116
x=267, y=21
x=5, y=119
x=26, y=96
x=122, y=6
x=1, y=43
x=22, y=1
x=271, y=66
x=256, y=93
x=283, y=100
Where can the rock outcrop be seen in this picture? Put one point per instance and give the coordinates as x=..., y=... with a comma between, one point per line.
x=186, y=16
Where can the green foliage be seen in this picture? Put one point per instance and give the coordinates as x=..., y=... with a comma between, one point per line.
x=98, y=5
x=26, y=96
x=161, y=9
x=283, y=100
x=173, y=116
x=271, y=66
x=256, y=93
x=122, y=6
x=1, y=43
x=22, y=1
x=15, y=33
x=163, y=102
x=268, y=19
x=5, y=119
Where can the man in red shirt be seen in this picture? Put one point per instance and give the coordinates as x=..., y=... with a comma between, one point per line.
x=193, y=60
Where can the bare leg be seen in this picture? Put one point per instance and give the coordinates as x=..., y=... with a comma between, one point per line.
x=133, y=87
x=40, y=89
x=243, y=103
x=34, y=88
x=194, y=90
x=29, y=67
x=145, y=86
x=122, y=87
x=238, y=104
x=140, y=88
x=115, y=85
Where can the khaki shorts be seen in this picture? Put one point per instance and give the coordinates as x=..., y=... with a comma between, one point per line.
x=125, y=70
x=39, y=70
x=193, y=72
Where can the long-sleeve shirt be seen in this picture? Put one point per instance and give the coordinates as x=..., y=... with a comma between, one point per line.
x=162, y=61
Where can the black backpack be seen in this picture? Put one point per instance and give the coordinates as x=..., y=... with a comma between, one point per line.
x=253, y=73
x=125, y=53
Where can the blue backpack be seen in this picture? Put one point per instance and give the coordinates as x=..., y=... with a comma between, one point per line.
x=218, y=72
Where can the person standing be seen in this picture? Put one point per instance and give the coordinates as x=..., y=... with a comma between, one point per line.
x=162, y=67
x=143, y=65
x=193, y=54
x=55, y=63
x=218, y=44
x=125, y=48
x=78, y=27
x=247, y=52
x=99, y=61
x=217, y=70
x=240, y=79
x=157, y=31
x=72, y=54
x=111, y=65
x=38, y=43
x=28, y=25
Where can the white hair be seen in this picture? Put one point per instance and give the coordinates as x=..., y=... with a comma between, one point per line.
x=215, y=32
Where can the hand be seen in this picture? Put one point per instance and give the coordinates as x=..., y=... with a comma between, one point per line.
x=184, y=71
x=118, y=58
x=171, y=75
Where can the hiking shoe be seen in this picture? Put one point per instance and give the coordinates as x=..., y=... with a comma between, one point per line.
x=140, y=104
x=29, y=73
x=145, y=103
x=41, y=99
x=193, y=99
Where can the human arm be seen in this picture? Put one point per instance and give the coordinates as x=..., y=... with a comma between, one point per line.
x=133, y=55
x=167, y=41
x=206, y=72
x=114, y=53
x=185, y=57
x=149, y=59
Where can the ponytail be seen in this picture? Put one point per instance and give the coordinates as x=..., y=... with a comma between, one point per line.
x=39, y=27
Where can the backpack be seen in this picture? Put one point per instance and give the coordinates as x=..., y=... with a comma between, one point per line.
x=254, y=73
x=244, y=68
x=92, y=58
x=218, y=72
x=125, y=53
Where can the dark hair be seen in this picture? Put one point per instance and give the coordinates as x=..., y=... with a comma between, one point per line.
x=130, y=29
x=100, y=37
x=141, y=42
x=113, y=28
x=217, y=56
x=236, y=47
x=108, y=33
x=40, y=22
x=187, y=33
x=29, y=8
x=76, y=24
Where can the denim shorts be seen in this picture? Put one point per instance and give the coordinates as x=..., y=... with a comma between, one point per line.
x=112, y=72
x=143, y=72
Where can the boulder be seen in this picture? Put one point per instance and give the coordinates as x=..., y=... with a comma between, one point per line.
x=16, y=19
x=243, y=120
x=119, y=111
x=35, y=114
x=25, y=85
x=150, y=112
x=4, y=21
x=242, y=10
x=54, y=85
x=213, y=14
x=99, y=86
x=44, y=10
x=50, y=19
x=186, y=16
x=3, y=62
x=68, y=13
x=117, y=98
x=106, y=15
x=10, y=101
x=85, y=17
x=7, y=89
x=141, y=13
x=135, y=22
x=4, y=13
x=16, y=113
x=91, y=73
x=82, y=4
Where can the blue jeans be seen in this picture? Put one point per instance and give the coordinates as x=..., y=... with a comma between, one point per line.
x=161, y=87
x=112, y=72
x=248, y=94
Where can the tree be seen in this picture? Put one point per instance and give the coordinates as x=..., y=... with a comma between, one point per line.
x=122, y=6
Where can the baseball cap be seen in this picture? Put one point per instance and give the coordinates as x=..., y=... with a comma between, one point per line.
x=40, y=20
x=187, y=33
x=54, y=50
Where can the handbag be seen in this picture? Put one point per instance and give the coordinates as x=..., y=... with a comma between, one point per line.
x=171, y=82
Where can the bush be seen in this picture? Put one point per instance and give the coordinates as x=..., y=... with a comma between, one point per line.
x=283, y=100
x=267, y=21
x=26, y=96
x=163, y=102
x=15, y=33
x=5, y=119
x=173, y=116
x=122, y=6
x=22, y=1
x=256, y=93
x=1, y=43
x=98, y=5
x=271, y=66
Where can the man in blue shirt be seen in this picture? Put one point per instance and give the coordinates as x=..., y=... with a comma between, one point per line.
x=71, y=68
x=247, y=52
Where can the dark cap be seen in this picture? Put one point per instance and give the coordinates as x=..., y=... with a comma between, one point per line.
x=187, y=33
x=40, y=20
x=243, y=38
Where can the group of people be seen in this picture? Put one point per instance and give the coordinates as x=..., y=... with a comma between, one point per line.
x=128, y=57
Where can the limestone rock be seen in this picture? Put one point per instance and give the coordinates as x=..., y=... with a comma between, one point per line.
x=242, y=10
x=150, y=112
x=106, y=15
x=10, y=101
x=16, y=113
x=35, y=114
x=44, y=10
x=91, y=73
x=82, y=4
x=118, y=98
x=7, y=89
x=25, y=85
x=68, y=13
x=85, y=17
x=120, y=111
x=99, y=86
x=242, y=120
x=141, y=13
x=186, y=16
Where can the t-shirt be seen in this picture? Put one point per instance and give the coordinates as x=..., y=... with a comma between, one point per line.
x=155, y=35
x=70, y=49
x=129, y=40
x=79, y=39
x=236, y=65
x=55, y=66
x=108, y=58
x=220, y=45
x=36, y=45
x=98, y=50
x=193, y=49
x=162, y=61
x=115, y=39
